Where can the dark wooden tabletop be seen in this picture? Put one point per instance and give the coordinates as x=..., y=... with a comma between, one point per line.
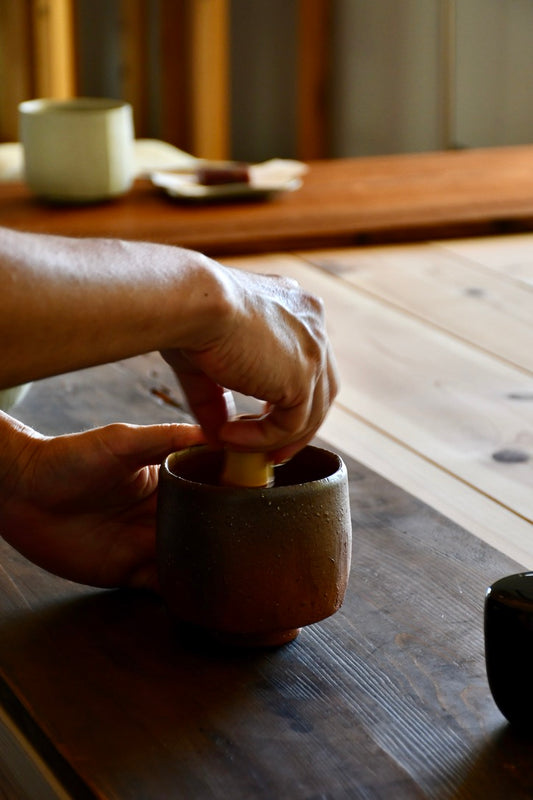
x=386, y=699
x=341, y=202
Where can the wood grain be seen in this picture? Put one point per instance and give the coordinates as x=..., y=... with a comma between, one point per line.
x=511, y=255
x=475, y=512
x=490, y=309
x=452, y=404
x=388, y=698
x=23, y=772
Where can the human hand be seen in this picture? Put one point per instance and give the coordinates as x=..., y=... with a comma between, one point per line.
x=102, y=300
x=270, y=344
x=83, y=505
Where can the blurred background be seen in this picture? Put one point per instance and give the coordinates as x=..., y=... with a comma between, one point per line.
x=254, y=79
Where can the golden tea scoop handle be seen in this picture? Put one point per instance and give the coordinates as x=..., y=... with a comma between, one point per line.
x=247, y=469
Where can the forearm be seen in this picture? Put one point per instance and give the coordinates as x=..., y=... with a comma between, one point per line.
x=72, y=303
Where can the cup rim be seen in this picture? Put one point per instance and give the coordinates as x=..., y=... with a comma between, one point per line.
x=337, y=472
x=44, y=105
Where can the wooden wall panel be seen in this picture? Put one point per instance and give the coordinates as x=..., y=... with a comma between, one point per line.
x=209, y=70
x=194, y=67
x=314, y=30
x=16, y=63
x=134, y=61
x=53, y=48
x=36, y=55
x=184, y=81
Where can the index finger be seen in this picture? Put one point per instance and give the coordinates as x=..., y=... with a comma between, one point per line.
x=283, y=430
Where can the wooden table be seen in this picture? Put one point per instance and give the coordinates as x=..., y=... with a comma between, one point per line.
x=343, y=202
x=387, y=699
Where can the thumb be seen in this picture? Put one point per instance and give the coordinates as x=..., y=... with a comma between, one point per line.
x=137, y=446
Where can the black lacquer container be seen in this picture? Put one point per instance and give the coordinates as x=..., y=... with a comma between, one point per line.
x=509, y=647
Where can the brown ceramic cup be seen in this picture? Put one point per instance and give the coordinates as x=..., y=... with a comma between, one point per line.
x=251, y=566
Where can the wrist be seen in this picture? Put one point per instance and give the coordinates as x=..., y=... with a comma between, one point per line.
x=206, y=306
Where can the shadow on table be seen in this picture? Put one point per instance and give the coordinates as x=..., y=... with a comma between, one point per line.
x=138, y=709
x=128, y=697
x=503, y=768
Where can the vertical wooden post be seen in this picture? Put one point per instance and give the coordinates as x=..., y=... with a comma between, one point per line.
x=209, y=69
x=16, y=64
x=53, y=41
x=313, y=68
x=195, y=91
x=134, y=61
x=173, y=80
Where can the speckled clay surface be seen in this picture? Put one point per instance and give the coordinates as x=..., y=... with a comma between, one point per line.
x=252, y=566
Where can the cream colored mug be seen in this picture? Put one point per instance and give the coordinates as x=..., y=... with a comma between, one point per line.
x=77, y=150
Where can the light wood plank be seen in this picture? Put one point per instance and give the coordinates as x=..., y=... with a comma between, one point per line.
x=509, y=255
x=453, y=405
x=431, y=282
x=509, y=533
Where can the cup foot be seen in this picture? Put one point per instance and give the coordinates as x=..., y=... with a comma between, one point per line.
x=265, y=639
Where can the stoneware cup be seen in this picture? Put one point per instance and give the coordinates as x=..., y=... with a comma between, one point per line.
x=78, y=150
x=251, y=566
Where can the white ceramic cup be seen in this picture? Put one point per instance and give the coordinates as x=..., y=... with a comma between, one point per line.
x=77, y=150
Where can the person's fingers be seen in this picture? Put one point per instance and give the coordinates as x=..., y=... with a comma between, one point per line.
x=284, y=429
x=210, y=403
x=137, y=446
x=274, y=348
x=322, y=401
